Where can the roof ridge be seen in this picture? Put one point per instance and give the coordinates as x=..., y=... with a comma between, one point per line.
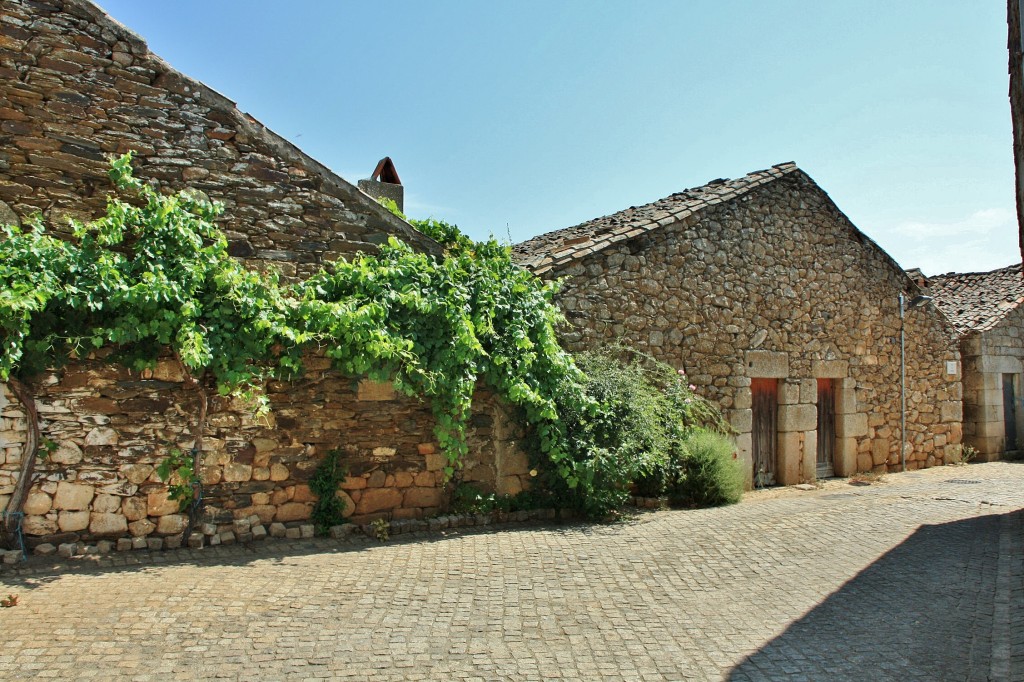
x=979, y=273
x=551, y=249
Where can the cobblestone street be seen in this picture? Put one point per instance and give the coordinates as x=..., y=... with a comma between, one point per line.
x=918, y=577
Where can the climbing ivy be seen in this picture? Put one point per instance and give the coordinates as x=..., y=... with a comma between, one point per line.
x=170, y=284
x=475, y=315
x=436, y=326
x=149, y=277
x=153, y=276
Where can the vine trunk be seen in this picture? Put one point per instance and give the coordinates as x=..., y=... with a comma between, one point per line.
x=27, y=398
x=199, y=385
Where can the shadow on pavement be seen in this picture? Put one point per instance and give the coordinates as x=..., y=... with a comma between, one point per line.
x=278, y=552
x=935, y=592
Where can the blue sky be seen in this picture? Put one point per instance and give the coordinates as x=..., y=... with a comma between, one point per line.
x=522, y=117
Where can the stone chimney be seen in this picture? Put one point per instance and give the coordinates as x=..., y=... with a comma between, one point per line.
x=919, y=279
x=385, y=183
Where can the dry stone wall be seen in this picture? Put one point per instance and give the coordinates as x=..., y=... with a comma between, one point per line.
x=113, y=426
x=77, y=87
x=777, y=283
x=992, y=358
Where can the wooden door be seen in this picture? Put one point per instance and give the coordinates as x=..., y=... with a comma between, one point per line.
x=1009, y=412
x=826, y=428
x=764, y=430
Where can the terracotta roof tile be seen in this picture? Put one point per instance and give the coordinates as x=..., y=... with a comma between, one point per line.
x=592, y=236
x=978, y=301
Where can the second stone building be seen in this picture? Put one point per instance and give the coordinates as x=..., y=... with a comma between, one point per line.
x=778, y=308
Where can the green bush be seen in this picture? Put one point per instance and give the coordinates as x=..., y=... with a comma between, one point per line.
x=633, y=413
x=329, y=509
x=644, y=408
x=705, y=474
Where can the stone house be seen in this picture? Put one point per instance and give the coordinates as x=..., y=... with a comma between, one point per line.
x=985, y=309
x=779, y=309
x=76, y=87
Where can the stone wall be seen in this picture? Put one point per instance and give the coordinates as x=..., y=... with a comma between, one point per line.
x=988, y=358
x=777, y=283
x=77, y=87
x=113, y=426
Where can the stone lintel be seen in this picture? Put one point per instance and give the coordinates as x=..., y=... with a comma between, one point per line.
x=766, y=364
x=830, y=369
x=1000, y=364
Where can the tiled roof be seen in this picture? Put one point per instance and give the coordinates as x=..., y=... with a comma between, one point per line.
x=978, y=301
x=555, y=249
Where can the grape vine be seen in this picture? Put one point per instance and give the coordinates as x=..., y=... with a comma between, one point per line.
x=153, y=276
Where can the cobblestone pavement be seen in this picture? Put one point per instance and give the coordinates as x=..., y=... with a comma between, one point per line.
x=917, y=578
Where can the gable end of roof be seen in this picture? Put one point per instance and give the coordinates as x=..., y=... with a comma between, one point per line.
x=554, y=250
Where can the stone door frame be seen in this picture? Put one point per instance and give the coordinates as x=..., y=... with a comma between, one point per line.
x=983, y=408
x=797, y=448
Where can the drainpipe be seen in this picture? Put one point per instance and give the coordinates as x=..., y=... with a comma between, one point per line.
x=914, y=303
x=903, y=390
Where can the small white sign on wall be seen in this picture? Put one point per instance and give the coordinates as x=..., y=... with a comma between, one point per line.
x=951, y=367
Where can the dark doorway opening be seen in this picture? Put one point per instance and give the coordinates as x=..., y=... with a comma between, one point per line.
x=826, y=428
x=1009, y=413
